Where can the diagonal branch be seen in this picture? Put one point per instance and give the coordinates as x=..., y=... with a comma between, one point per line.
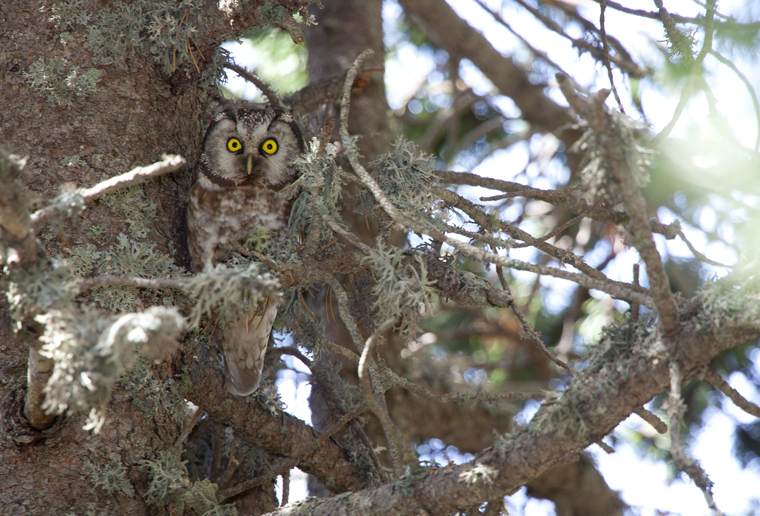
x=598, y=404
x=719, y=383
x=294, y=461
x=451, y=33
x=279, y=434
x=85, y=195
x=600, y=121
x=251, y=77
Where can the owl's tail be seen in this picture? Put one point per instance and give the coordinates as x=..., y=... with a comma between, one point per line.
x=244, y=345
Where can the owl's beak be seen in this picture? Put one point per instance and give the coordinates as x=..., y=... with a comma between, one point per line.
x=250, y=164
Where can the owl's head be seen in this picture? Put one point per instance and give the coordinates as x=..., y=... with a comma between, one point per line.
x=251, y=147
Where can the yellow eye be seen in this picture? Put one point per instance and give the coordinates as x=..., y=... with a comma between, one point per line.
x=269, y=146
x=234, y=145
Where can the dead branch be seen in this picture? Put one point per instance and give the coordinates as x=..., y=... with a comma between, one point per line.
x=168, y=164
x=600, y=121
x=719, y=383
x=293, y=461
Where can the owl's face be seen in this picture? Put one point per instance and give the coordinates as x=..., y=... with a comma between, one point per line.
x=251, y=147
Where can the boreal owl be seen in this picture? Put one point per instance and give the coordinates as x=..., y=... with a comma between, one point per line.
x=238, y=189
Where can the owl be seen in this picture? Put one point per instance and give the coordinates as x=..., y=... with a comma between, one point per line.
x=238, y=189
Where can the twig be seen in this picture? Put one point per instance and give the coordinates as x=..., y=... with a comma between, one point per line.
x=130, y=281
x=261, y=257
x=399, y=452
x=168, y=164
x=601, y=122
x=537, y=52
x=529, y=333
x=699, y=255
x=329, y=305
x=451, y=397
x=190, y=51
x=589, y=273
x=635, y=306
x=176, y=40
x=719, y=383
x=292, y=351
x=631, y=68
x=685, y=463
x=596, y=282
x=285, y=488
x=465, y=397
x=606, y=54
x=519, y=193
x=375, y=399
x=189, y=427
x=290, y=25
x=265, y=88
x=730, y=23
x=657, y=423
x=606, y=447
x=231, y=466
x=558, y=230
x=331, y=242
x=676, y=39
x=293, y=462
x=303, y=302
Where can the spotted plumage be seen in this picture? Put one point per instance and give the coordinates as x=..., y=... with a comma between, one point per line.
x=239, y=188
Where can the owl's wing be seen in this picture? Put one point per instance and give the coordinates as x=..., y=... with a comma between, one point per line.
x=244, y=344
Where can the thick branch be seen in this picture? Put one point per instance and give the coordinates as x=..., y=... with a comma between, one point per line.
x=585, y=412
x=280, y=434
x=292, y=463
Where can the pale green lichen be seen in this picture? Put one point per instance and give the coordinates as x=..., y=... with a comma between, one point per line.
x=134, y=207
x=149, y=393
x=595, y=167
x=130, y=258
x=111, y=477
x=407, y=177
x=92, y=350
x=36, y=289
x=402, y=290
x=60, y=83
x=98, y=233
x=407, y=482
x=229, y=290
x=169, y=485
x=269, y=397
x=82, y=259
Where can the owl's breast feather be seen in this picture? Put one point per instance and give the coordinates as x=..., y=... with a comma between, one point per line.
x=217, y=217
